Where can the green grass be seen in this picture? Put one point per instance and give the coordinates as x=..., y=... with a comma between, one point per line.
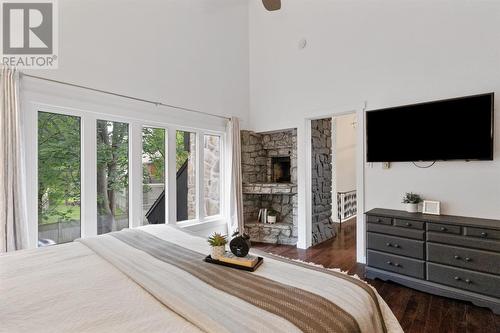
x=72, y=216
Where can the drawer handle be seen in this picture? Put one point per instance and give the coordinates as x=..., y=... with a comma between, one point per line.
x=379, y=220
x=408, y=224
x=466, y=258
x=457, y=278
x=393, y=264
x=484, y=234
x=396, y=246
x=443, y=229
x=388, y=244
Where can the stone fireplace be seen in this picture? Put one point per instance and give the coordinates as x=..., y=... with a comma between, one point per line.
x=269, y=171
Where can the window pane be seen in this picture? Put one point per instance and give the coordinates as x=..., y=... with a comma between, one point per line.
x=153, y=167
x=112, y=176
x=59, y=163
x=186, y=175
x=211, y=166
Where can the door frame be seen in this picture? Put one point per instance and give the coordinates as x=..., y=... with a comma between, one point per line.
x=305, y=228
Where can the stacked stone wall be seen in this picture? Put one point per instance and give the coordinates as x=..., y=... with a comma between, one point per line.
x=321, y=182
x=258, y=149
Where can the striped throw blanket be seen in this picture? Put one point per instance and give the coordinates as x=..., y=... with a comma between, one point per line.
x=281, y=296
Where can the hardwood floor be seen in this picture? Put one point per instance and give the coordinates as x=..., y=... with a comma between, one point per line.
x=416, y=311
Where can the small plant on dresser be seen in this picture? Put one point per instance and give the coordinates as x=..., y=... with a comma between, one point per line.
x=411, y=201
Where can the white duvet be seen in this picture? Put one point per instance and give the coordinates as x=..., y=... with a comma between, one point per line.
x=69, y=288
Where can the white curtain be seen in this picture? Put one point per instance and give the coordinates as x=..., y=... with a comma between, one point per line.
x=235, y=209
x=13, y=224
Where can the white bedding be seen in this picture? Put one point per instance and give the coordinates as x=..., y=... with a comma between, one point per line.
x=70, y=288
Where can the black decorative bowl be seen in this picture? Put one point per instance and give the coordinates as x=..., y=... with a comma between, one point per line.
x=240, y=246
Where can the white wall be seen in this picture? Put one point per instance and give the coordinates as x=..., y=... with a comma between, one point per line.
x=192, y=53
x=345, y=153
x=388, y=53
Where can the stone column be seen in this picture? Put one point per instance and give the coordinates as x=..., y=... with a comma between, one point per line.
x=321, y=182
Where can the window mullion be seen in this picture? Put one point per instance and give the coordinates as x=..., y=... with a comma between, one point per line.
x=89, y=176
x=135, y=175
x=30, y=131
x=166, y=174
x=223, y=176
x=200, y=189
x=171, y=202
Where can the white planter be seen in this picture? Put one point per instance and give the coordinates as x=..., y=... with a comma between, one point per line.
x=217, y=252
x=271, y=219
x=412, y=208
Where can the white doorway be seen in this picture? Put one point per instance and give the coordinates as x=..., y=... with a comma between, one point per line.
x=305, y=179
x=344, y=183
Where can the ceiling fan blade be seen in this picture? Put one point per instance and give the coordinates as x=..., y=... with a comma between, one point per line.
x=272, y=5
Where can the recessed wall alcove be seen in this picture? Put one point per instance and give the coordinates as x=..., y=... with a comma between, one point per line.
x=269, y=171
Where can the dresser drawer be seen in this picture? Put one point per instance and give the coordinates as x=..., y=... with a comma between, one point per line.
x=396, y=231
x=482, y=283
x=484, y=261
x=396, y=245
x=445, y=228
x=476, y=243
x=379, y=219
x=397, y=264
x=409, y=224
x=482, y=233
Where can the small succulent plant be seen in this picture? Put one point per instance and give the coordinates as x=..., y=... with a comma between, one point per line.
x=412, y=198
x=217, y=239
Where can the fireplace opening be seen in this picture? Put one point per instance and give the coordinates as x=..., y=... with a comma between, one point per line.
x=280, y=167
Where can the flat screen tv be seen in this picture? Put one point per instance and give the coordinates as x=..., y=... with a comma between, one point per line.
x=452, y=129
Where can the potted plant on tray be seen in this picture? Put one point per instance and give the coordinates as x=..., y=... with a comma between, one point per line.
x=272, y=216
x=218, y=243
x=411, y=200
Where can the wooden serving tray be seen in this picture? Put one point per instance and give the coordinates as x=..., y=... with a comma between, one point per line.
x=209, y=259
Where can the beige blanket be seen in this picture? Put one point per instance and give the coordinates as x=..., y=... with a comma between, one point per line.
x=71, y=288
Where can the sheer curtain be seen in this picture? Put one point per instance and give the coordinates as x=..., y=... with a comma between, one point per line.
x=13, y=223
x=234, y=185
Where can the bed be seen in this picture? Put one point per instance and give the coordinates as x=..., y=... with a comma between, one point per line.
x=153, y=279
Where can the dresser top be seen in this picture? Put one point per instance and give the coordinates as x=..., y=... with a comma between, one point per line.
x=451, y=219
